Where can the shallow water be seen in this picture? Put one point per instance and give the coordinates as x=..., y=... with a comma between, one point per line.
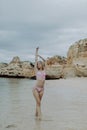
x=64, y=105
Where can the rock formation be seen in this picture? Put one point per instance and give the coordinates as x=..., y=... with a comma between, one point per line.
x=56, y=60
x=16, y=68
x=54, y=72
x=15, y=60
x=77, y=57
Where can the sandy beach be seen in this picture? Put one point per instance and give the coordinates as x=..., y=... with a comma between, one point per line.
x=64, y=105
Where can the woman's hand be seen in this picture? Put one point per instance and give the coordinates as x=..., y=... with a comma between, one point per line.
x=37, y=48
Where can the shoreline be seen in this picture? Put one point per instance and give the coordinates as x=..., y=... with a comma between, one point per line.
x=49, y=79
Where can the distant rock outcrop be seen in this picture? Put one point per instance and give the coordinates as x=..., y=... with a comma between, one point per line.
x=55, y=60
x=16, y=68
x=55, y=67
x=15, y=60
x=77, y=57
x=54, y=72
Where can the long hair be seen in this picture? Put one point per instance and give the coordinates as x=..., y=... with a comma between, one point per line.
x=43, y=65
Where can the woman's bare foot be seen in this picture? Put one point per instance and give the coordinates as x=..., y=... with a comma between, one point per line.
x=39, y=118
x=36, y=114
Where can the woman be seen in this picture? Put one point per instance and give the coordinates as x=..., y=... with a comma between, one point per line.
x=38, y=90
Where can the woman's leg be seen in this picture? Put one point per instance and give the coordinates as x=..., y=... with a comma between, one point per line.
x=38, y=103
x=41, y=94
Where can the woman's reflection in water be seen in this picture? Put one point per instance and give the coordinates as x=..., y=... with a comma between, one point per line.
x=38, y=125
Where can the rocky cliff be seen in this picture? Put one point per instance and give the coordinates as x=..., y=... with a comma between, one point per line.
x=16, y=68
x=56, y=60
x=77, y=57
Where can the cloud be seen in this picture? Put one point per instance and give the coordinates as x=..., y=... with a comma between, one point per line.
x=53, y=25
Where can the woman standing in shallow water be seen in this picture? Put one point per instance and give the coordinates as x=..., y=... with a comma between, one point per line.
x=38, y=90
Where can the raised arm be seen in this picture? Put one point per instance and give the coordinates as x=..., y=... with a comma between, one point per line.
x=41, y=58
x=36, y=59
x=45, y=62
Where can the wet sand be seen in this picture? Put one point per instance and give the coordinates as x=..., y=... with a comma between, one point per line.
x=64, y=105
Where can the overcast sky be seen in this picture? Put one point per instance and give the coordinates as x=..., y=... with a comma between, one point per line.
x=53, y=25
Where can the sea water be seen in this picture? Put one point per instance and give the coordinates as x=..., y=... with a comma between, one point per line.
x=64, y=105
